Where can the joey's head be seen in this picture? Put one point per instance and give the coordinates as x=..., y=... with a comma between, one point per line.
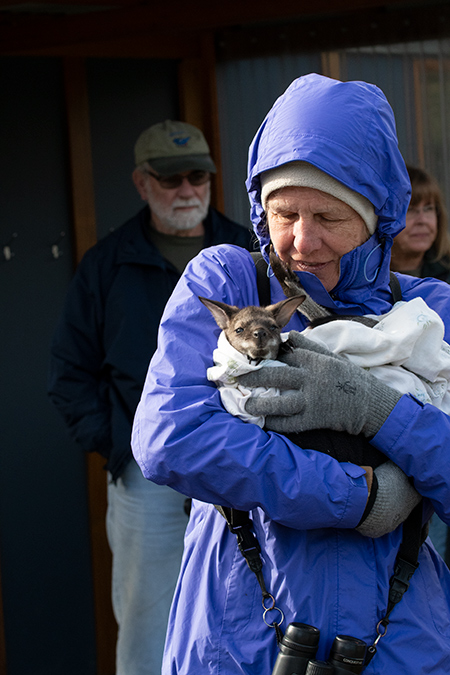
x=254, y=331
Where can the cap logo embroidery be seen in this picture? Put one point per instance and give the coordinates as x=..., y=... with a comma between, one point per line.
x=181, y=141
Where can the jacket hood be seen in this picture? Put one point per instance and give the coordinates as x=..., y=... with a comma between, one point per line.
x=347, y=130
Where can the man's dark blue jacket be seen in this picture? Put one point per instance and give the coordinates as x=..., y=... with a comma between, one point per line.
x=107, y=333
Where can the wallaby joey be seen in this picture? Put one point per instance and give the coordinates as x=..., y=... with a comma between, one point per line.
x=254, y=331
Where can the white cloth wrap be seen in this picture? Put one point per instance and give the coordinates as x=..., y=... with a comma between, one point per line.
x=405, y=350
x=229, y=364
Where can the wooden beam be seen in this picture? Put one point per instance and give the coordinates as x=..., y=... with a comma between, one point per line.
x=148, y=46
x=79, y=137
x=33, y=6
x=84, y=236
x=209, y=69
x=199, y=106
x=253, y=10
x=105, y=623
x=2, y=635
x=326, y=33
x=25, y=31
x=331, y=65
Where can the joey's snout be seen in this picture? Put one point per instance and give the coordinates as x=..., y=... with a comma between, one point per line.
x=260, y=342
x=260, y=335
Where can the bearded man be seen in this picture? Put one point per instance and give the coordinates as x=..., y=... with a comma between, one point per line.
x=100, y=354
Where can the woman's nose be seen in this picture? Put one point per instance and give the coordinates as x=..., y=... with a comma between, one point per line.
x=306, y=235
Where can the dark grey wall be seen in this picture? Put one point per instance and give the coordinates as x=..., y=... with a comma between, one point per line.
x=44, y=545
x=126, y=96
x=44, y=529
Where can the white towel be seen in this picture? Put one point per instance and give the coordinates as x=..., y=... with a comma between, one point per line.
x=405, y=350
x=229, y=364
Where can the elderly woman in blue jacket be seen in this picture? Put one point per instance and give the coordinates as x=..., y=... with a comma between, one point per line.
x=329, y=190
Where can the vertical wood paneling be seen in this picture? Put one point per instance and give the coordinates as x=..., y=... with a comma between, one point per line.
x=198, y=104
x=80, y=156
x=331, y=65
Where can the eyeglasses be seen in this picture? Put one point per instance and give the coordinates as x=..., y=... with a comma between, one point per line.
x=171, y=182
x=427, y=210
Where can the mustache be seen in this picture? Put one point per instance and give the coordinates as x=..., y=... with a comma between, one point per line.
x=193, y=201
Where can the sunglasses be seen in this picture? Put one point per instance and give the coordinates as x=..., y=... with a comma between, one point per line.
x=172, y=182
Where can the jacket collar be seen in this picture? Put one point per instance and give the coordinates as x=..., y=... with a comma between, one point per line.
x=135, y=246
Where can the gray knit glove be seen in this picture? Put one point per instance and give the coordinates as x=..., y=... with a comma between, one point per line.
x=391, y=501
x=330, y=392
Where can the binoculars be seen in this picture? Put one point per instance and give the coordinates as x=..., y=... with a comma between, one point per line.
x=298, y=649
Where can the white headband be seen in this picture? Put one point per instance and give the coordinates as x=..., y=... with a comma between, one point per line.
x=302, y=174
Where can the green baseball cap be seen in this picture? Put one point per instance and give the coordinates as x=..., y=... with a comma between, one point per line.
x=171, y=147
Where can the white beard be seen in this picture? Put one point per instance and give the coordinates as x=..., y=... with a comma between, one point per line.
x=174, y=219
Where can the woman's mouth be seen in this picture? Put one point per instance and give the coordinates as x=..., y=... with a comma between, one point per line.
x=313, y=267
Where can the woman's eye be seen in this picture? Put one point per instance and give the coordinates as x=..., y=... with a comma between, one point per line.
x=328, y=217
x=285, y=217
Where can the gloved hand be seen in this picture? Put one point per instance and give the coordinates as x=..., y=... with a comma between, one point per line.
x=391, y=500
x=330, y=392
x=298, y=341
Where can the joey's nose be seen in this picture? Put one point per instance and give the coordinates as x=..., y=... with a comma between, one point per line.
x=260, y=334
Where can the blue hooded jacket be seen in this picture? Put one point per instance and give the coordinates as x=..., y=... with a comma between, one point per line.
x=304, y=504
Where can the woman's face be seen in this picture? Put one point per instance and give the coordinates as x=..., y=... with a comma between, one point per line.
x=420, y=231
x=311, y=231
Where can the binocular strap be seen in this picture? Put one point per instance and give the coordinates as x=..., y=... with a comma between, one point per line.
x=414, y=534
x=239, y=524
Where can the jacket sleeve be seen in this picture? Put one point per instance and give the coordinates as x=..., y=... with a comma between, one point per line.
x=76, y=357
x=416, y=436
x=184, y=438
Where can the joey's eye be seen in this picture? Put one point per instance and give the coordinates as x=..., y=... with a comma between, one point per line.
x=273, y=327
x=239, y=330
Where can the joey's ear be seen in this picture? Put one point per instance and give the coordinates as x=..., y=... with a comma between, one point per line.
x=222, y=312
x=282, y=311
